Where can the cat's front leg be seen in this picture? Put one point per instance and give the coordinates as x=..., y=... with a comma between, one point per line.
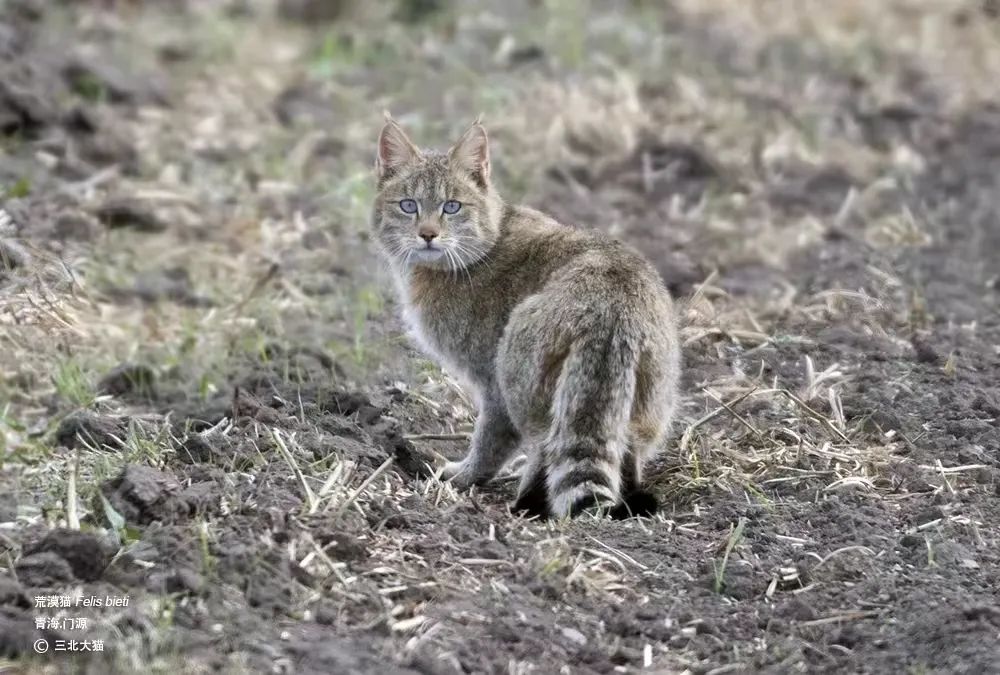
x=493, y=442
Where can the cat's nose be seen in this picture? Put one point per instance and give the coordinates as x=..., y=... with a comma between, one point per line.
x=428, y=234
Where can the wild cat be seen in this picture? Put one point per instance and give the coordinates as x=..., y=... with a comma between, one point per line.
x=566, y=338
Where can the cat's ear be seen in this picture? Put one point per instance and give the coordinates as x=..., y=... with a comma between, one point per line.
x=394, y=149
x=472, y=154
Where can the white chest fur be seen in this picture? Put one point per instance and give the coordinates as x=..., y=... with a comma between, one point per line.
x=424, y=337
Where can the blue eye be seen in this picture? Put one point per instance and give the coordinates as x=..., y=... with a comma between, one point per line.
x=451, y=207
x=408, y=206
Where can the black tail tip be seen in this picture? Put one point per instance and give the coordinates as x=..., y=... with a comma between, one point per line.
x=532, y=503
x=637, y=503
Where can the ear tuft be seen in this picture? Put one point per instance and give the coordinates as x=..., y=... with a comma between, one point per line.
x=394, y=148
x=472, y=154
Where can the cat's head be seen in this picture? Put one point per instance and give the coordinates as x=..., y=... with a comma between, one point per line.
x=435, y=209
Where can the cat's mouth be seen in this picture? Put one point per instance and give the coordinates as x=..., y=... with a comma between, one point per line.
x=428, y=253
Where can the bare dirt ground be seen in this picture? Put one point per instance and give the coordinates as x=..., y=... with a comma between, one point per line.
x=207, y=403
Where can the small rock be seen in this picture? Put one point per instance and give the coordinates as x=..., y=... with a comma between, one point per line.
x=573, y=635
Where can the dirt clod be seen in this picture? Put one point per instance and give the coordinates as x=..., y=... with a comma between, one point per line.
x=172, y=284
x=125, y=212
x=408, y=458
x=12, y=594
x=44, y=569
x=181, y=580
x=85, y=428
x=142, y=494
x=311, y=11
x=75, y=225
x=348, y=404
x=95, y=77
x=21, y=110
x=87, y=554
x=129, y=378
x=18, y=634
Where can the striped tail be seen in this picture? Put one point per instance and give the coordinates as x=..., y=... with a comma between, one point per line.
x=588, y=439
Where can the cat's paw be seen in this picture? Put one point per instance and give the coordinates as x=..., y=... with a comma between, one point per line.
x=450, y=470
x=462, y=476
x=458, y=475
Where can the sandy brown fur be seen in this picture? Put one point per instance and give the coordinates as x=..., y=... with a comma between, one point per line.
x=567, y=337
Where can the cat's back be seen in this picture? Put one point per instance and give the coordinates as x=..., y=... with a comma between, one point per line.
x=533, y=239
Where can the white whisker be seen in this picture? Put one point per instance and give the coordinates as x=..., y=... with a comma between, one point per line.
x=459, y=249
x=452, y=263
